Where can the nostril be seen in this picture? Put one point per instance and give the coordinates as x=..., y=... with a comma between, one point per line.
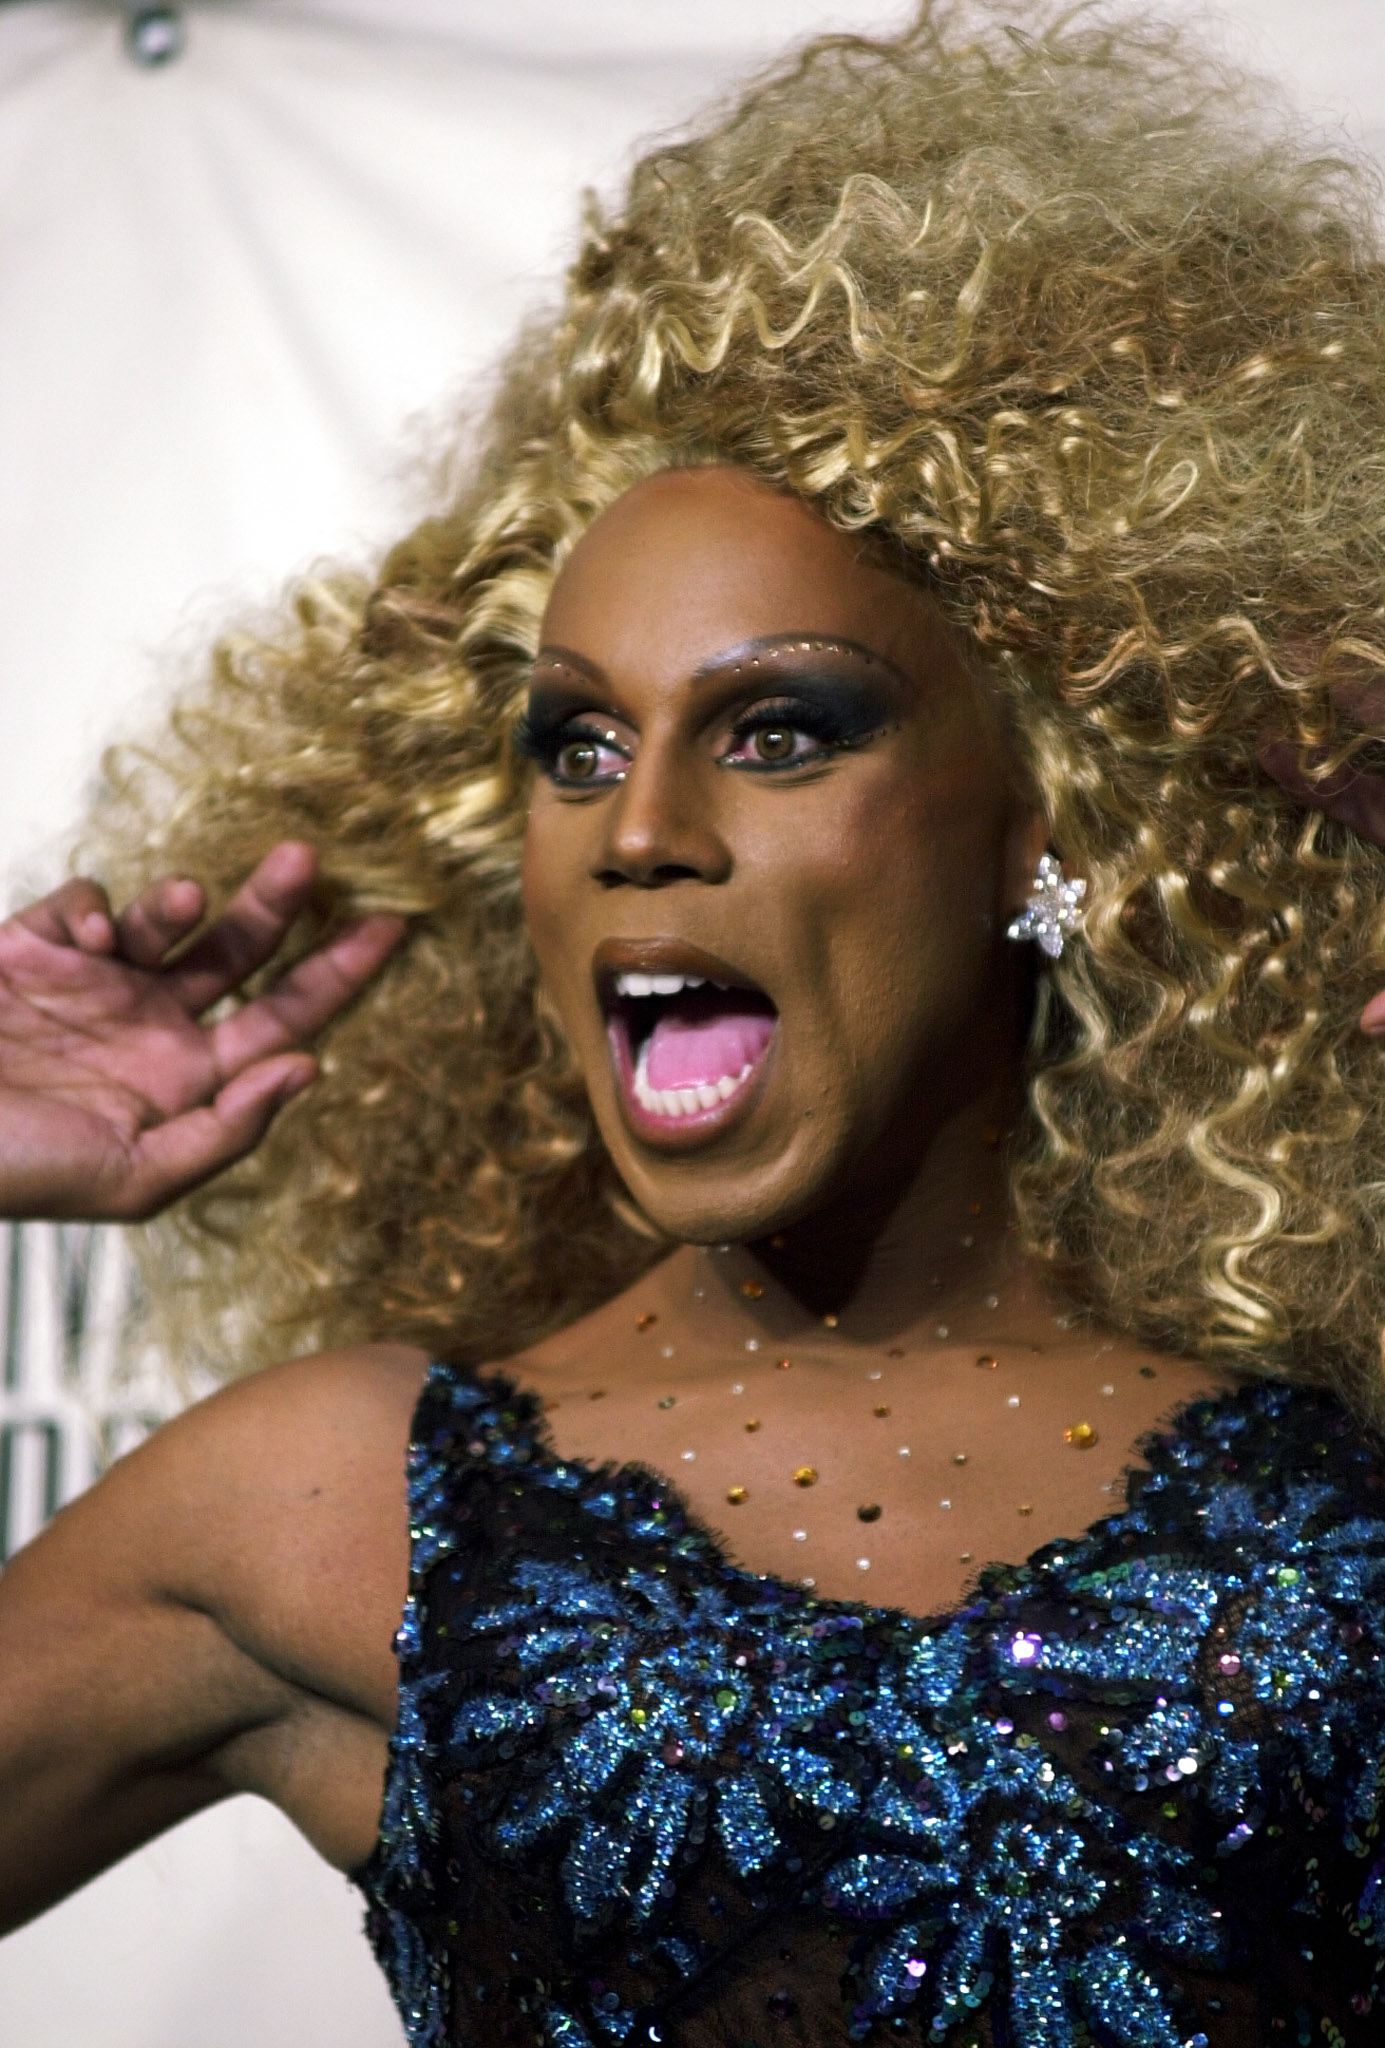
x=657, y=875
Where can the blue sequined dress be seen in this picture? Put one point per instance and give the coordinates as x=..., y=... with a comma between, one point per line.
x=1130, y=1796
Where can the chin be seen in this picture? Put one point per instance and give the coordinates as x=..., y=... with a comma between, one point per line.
x=696, y=1202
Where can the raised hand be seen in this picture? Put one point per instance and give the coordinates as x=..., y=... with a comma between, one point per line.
x=114, y=1099
x=1354, y=796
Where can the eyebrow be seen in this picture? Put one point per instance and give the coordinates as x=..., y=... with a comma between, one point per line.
x=748, y=654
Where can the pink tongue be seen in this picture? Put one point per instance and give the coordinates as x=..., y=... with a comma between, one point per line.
x=685, y=1050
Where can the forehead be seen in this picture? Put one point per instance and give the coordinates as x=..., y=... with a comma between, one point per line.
x=690, y=562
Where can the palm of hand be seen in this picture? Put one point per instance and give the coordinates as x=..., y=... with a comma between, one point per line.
x=114, y=1099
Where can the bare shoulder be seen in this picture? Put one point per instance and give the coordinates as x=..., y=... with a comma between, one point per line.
x=286, y=1513
x=216, y=1614
x=277, y=1508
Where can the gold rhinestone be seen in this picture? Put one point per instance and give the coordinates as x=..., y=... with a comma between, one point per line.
x=736, y=1494
x=639, y=1715
x=973, y=1209
x=1027, y=1508
x=646, y=1320
x=895, y=1351
x=754, y=1422
x=597, y=1394
x=869, y=1513
x=782, y=1364
x=1082, y=1435
x=880, y=1408
x=667, y=1401
x=830, y=1322
x=805, y=1475
x=986, y=1360
x=959, y=1457
x=965, y=1558
x=751, y=1289
x=1147, y=1372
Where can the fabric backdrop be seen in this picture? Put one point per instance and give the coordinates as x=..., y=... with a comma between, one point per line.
x=239, y=295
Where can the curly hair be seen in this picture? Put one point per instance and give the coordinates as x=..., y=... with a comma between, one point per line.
x=1059, y=312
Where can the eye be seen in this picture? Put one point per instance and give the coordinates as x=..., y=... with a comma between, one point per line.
x=577, y=760
x=792, y=735
x=572, y=755
x=773, y=742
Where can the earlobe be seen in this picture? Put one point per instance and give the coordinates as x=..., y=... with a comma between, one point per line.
x=1028, y=841
x=1053, y=911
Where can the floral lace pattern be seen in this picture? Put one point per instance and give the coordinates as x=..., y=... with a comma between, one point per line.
x=1128, y=1796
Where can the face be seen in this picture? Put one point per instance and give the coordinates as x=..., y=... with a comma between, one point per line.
x=773, y=845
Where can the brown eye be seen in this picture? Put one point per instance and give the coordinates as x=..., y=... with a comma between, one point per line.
x=774, y=742
x=576, y=761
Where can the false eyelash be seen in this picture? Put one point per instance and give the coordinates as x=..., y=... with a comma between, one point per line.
x=823, y=722
x=539, y=735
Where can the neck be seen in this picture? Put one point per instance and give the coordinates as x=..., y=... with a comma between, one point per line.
x=925, y=1260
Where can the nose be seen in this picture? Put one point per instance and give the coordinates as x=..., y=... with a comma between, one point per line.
x=661, y=825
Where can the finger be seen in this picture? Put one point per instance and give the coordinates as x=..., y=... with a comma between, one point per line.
x=308, y=996
x=174, y=1157
x=76, y=914
x=1350, y=795
x=157, y=918
x=249, y=930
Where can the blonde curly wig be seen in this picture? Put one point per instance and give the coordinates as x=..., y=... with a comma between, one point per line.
x=1056, y=311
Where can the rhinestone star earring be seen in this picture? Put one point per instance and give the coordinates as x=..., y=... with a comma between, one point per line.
x=1052, y=910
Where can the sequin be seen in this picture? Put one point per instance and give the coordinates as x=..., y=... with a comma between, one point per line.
x=1129, y=1793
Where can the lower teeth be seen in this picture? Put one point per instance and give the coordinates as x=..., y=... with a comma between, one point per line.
x=684, y=1101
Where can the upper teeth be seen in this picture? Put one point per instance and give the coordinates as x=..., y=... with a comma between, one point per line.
x=659, y=984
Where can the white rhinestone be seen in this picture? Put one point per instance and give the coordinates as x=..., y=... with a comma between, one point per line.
x=944, y=1503
x=1012, y=1400
x=752, y=1343
x=904, y=1450
x=876, y=1375
x=1108, y=1388
x=737, y=1387
x=863, y=1564
x=665, y=1351
x=941, y=1330
x=688, y=1457
x=800, y=1535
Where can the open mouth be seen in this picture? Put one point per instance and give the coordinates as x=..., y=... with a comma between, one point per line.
x=687, y=1049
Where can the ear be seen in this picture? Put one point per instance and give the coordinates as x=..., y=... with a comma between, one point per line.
x=1026, y=839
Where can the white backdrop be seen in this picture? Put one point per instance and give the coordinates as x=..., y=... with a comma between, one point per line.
x=234, y=292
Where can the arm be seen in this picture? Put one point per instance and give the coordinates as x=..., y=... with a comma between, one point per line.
x=116, y=1694
x=215, y=1615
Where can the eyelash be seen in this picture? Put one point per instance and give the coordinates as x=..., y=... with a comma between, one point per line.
x=542, y=739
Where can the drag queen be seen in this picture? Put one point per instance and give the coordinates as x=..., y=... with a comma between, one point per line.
x=814, y=1469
